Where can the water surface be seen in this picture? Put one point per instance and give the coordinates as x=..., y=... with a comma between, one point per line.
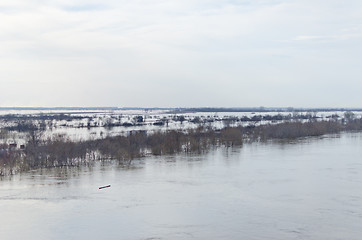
x=307, y=189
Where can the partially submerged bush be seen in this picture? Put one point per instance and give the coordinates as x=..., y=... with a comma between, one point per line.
x=60, y=151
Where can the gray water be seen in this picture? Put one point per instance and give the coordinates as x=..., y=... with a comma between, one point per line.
x=307, y=189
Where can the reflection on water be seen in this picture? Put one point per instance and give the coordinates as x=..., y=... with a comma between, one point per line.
x=308, y=189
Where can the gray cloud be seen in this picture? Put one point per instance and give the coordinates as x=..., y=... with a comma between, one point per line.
x=180, y=53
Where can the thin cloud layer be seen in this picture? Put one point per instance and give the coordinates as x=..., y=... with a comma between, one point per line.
x=180, y=53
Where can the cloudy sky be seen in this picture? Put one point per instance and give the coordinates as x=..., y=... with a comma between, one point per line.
x=181, y=53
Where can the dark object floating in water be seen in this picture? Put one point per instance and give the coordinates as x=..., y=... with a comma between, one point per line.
x=104, y=187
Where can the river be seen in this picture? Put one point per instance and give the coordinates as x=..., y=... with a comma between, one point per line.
x=305, y=189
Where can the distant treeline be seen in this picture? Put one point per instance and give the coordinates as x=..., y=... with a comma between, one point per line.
x=25, y=123
x=39, y=117
x=59, y=151
x=263, y=109
x=59, y=108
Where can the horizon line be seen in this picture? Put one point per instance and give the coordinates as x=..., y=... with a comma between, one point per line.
x=260, y=108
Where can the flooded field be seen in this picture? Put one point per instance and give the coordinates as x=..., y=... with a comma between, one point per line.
x=94, y=124
x=305, y=189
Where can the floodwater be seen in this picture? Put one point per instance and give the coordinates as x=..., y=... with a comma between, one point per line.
x=306, y=189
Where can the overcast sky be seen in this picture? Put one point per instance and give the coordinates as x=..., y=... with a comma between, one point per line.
x=181, y=53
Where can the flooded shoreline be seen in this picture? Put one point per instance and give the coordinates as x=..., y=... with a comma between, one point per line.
x=60, y=151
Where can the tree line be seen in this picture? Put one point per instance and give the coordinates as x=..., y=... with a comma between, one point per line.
x=60, y=151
